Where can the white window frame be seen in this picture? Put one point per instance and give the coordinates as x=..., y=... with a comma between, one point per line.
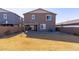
x=49, y=19
x=44, y=26
x=33, y=17
x=5, y=16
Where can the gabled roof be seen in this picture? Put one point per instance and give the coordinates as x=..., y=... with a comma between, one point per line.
x=3, y=10
x=10, y=22
x=40, y=11
x=69, y=22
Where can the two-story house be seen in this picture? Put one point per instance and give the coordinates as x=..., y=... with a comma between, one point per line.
x=9, y=21
x=39, y=20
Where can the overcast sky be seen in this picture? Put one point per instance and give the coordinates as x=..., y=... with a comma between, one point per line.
x=63, y=14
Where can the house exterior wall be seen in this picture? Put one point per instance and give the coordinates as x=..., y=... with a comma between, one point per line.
x=11, y=18
x=40, y=18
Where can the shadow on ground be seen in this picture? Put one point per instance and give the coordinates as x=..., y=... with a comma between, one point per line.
x=57, y=36
x=9, y=35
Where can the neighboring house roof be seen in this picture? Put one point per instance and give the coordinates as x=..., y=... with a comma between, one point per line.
x=40, y=11
x=69, y=22
x=3, y=10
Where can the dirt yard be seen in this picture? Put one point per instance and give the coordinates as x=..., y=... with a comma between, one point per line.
x=40, y=42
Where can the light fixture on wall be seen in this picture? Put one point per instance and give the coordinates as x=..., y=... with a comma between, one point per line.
x=6, y=22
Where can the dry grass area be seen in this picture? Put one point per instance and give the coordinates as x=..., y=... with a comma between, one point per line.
x=22, y=43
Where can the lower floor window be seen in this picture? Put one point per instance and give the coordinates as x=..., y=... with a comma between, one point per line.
x=42, y=26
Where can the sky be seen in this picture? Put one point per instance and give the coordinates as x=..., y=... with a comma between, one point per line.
x=63, y=14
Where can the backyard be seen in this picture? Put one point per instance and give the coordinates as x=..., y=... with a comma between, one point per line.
x=40, y=42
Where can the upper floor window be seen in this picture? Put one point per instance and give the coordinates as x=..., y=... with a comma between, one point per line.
x=5, y=16
x=49, y=17
x=33, y=17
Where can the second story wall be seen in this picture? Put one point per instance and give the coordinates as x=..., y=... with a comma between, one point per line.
x=39, y=18
x=11, y=18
